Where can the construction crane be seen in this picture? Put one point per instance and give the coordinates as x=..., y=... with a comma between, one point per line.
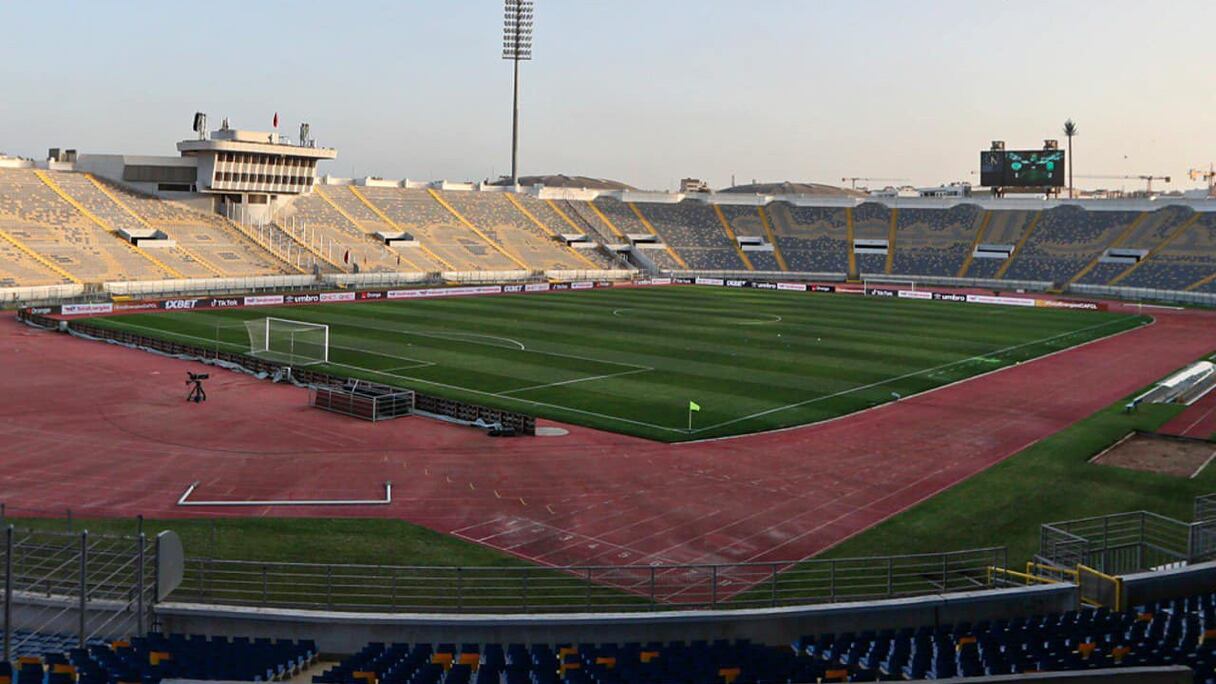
x=1208, y=177
x=853, y=180
x=1147, y=178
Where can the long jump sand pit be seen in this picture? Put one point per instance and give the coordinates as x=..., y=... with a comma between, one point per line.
x=1157, y=453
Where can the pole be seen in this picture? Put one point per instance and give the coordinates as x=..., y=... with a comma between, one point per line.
x=139, y=573
x=690, y=420
x=515, y=114
x=84, y=583
x=8, y=593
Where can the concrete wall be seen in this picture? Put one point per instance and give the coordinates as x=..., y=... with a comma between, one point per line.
x=61, y=615
x=1146, y=587
x=344, y=632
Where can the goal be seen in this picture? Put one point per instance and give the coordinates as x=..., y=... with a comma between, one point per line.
x=294, y=342
x=889, y=284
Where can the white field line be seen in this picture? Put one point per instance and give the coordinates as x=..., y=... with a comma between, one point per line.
x=571, y=382
x=775, y=318
x=461, y=337
x=905, y=376
x=499, y=346
x=518, y=399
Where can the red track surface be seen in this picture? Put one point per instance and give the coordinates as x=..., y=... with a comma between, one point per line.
x=105, y=430
x=1198, y=420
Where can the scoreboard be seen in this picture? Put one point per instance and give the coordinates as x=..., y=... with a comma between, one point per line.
x=1022, y=168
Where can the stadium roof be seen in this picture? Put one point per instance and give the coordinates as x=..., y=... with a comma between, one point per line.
x=561, y=180
x=793, y=188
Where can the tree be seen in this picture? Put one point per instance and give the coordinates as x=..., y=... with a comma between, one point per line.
x=1070, y=129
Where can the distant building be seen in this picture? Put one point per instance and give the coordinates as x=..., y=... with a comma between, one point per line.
x=693, y=185
x=951, y=190
x=243, y=174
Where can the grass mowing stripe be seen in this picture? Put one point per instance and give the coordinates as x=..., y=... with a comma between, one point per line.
x=827, y=356
x=912, y=374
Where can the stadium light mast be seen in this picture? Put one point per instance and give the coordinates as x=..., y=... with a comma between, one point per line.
x=516, y=46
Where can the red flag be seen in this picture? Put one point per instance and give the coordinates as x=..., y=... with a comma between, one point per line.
x=346, y=257
x=276, y=119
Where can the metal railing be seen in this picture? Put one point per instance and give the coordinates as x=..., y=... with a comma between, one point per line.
x=606, y=588
x=86, y=584
x=1130, y=542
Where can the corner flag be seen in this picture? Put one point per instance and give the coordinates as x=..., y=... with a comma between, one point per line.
x=694, y=406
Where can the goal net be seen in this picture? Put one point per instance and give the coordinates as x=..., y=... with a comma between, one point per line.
x=292, y=342
x=888, y=284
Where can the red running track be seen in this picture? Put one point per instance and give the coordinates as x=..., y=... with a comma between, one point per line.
x=1198, y=420
x=105, y=430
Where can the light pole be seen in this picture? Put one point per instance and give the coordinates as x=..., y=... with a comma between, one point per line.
x=516, y=46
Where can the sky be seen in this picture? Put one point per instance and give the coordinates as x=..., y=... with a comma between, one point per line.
x=647, y=92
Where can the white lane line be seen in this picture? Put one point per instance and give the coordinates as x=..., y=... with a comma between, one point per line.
x=775, y=319
x=905, y=376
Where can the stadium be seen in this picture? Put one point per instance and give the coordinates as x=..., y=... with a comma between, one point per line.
x=261, y=421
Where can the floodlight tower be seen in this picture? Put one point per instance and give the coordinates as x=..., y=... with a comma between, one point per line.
x=516, y=46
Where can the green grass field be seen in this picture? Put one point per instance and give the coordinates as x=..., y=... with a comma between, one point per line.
x=631, y=360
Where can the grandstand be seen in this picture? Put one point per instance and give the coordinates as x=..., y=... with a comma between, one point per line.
x=693, y=230
x=812, y=239
x=1064, y=240
x=874, y=224
x=935, y=241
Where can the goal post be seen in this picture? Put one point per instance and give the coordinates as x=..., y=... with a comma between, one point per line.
x=294, y=342
x=889, y=283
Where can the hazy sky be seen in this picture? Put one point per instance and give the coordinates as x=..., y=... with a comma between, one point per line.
x=643, y=91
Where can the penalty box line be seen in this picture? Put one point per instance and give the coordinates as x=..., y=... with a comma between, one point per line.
x=445, y=385
x=386, y=500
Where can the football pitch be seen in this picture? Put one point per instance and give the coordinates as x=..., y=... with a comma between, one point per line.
x=632, y=360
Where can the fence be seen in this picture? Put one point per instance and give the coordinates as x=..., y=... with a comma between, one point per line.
x=1205, y=507
x=583, y=588
x=1128, y=542
x=88, y=585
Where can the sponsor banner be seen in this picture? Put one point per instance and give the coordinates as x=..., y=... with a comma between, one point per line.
x=736, y=283
x=444, y=292
x=86, y=309
x=718, y=282
x=510, y=289
x=43, y=310
x=991, y=299
x=337, y=296
x=220, y=303
x=671, y=281
x=949, y=297
x=604, y=283
x=136, y=306
x=764, y=286
x=370, y=295
x=881, y=292
x=1070, y=304
x=582, y=285
x=794, y=287
x=536, y=287
x=301, y=299
x=915, y=294
x=183, y=304
x=264, y=300
x=822, y=288
x=560, y=286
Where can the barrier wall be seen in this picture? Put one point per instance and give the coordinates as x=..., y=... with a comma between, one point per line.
x=1145, y=587
x=342, y=633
